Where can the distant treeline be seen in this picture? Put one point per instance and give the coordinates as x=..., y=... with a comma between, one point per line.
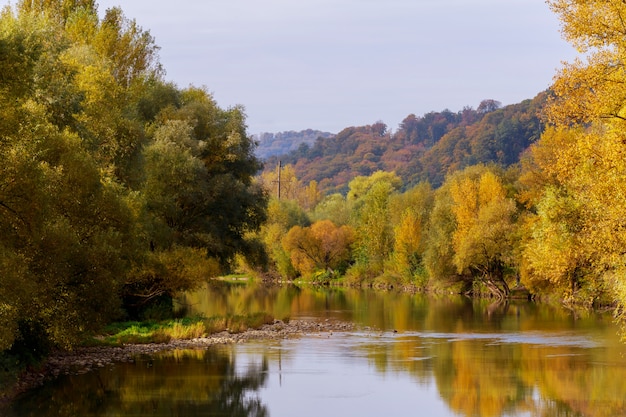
x=270, y=144
x=424, y=148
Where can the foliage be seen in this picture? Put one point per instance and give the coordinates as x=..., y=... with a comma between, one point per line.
x=369, y=197
x=576, y=177
x=284, y=142
x=282, y=216
x=409, y=214
x=321, y=247
x=483, y=238
x=115, y=187
x=424, y=148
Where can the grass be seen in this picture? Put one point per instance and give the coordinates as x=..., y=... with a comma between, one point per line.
x=151, y=331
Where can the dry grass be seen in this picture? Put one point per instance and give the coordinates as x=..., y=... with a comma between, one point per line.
x=181, y=329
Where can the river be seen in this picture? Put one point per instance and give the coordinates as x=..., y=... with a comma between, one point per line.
x=410, y=355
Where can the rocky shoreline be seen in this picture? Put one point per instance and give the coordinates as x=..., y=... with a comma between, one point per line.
x=85, y=359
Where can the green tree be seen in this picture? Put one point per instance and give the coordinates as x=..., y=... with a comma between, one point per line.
x=333, y=207
x=69, y=227
x=369, y=197
x=439, y=252
x=113, y=184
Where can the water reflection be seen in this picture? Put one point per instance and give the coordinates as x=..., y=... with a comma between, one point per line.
x=414, y=356
x=180, y=383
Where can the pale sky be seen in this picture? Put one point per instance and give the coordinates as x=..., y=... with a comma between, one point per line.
x=331, y=64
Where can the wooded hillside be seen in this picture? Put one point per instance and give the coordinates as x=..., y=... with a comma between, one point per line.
x=270, y=144
x=424, y=148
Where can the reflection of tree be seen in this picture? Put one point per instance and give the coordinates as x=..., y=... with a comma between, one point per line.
x=191, y=383
x=485, y=377
x=479, y=380
x=474, y=376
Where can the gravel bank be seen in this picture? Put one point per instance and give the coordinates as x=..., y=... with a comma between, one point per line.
x=85, y=359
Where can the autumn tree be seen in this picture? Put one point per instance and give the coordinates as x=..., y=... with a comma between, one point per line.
x=409, y=213
x=369, y=197
x=556, y=257
x=282, y=183
x=585, y=178
x=69, y=226
x=439, y=252
x=321, y=247
x=333, y=207
x=485, y=225
x=282, y=216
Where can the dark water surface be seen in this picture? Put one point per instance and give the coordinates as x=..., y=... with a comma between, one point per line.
x=413, y=355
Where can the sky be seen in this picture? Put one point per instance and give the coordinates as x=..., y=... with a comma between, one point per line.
x=331, y=64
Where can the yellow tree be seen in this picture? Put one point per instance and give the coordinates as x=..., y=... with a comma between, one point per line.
x=588, y=91
x=587, y=171
x=283, y=184
x=409, y=213
x=485, y=227
x=557, y=253
x=282, y=215
x=407, y=243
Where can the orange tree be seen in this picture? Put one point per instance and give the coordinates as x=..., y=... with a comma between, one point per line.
x=321, y=247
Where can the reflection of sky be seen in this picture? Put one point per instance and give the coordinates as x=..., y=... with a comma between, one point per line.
x=358, y=374
x=331, y=64
x=530, y=338
x=321, y=377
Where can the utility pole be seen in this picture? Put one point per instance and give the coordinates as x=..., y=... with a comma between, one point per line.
x=280, y=166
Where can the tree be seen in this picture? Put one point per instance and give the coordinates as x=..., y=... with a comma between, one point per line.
x=282, y=216
x=484, y=235
x=333, y=207
x=407, y=244
x=488, y=105
x=205, y=192
x=370, y=199
x=321, y=247
x=586, y=177
x=589, y=91
x=69, y=227
x=113, y=184
x=439, y=252
x=409, y=213
x=58, y=9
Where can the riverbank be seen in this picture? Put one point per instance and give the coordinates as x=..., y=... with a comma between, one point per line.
x=86, y=359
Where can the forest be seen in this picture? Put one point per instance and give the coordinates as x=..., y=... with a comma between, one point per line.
x=119, y=190
x=424, y=148
x=269, y=144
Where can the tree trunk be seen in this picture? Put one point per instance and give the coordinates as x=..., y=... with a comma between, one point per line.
x=497, y=284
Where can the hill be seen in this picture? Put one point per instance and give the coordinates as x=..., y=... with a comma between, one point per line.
x=284, y=142
x=424, y=148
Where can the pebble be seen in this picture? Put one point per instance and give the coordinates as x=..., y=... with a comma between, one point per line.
x=85, y=359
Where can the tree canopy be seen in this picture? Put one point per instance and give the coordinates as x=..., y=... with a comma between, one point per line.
x=117, y=188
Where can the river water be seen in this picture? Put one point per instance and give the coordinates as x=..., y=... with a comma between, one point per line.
x=411, y=355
